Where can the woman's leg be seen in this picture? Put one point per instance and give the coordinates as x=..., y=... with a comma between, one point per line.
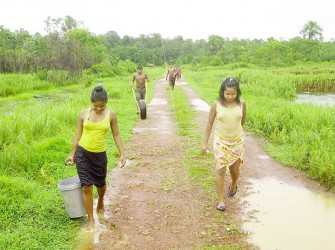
x=219, y=182
x=88, y=201
x=235, y=174
x=101, y=193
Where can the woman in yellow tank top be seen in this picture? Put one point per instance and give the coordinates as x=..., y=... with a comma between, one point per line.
x=228, y=147
x=89, y=149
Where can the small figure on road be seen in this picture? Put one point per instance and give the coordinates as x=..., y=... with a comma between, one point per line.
x=228, y=146
x=141, y=80
x=171, y=74
x=178, y=73
x=89, y=149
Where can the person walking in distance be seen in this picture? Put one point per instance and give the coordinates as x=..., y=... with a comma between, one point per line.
x=228, y=147
x=171, y=74
x=89, y=149
x=141, y=79
x=178, y=73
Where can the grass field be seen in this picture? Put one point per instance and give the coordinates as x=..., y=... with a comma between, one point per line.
x=37, y=129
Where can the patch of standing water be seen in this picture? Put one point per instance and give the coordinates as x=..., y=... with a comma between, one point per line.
x=201, y=105
x=162, y=81
x=322, y=99
x=90, y=238
x=180, y=83
x=289, y=217
x=264, y=157
x=158, y=101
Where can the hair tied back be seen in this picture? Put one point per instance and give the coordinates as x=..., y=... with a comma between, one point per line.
x=98, y=88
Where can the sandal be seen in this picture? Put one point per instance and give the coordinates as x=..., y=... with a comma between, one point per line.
x=220, y=207
x=231, y=193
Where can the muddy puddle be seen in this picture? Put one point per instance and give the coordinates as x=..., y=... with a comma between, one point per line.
x=200, y=105
x=284, y=216
x=158, y=101
x=317, y=99
x=180, y=82
x=90, y=238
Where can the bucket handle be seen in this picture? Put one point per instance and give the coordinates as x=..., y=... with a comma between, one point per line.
x=64, y=166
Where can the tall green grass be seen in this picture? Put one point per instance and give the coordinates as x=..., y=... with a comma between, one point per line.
x=32, y=217
x=13, y=84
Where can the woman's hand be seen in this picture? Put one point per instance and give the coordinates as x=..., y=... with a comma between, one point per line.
x=122, y=161
x=69, y=160
x=205, y=148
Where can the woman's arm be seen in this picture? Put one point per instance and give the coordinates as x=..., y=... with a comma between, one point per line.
x=79, y=132
x=244, y=112
x=117, y=138
x=209, y=126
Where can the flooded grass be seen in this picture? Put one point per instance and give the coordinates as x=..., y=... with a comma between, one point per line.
x=320, y=99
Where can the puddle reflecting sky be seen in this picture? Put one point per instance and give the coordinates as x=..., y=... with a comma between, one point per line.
x=200, y=105
x=290, y=217
x=158, y=101
x=180, y=83
x=324, y=99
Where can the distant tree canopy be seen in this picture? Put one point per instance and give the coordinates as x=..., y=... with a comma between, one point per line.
x=68, y=46
x=312, y=30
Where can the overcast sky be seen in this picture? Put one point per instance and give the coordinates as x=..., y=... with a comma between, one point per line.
x=260, y=19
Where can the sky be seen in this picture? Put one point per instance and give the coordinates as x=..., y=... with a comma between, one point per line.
x=191, y=19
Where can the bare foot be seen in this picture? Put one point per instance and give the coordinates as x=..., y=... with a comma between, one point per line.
x=90, y=225
x=233, y=186
x=221, y=206
x=232, y=189
x=100, y=207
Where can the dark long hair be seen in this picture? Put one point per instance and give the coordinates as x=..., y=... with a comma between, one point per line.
x=230, y=83
x=99, y=94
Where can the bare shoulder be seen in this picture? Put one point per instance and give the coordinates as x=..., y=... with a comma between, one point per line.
x=112, y=114
x=213, y=107
x=214, y=104
x=83, y=112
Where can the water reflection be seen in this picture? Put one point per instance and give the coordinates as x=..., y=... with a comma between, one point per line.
x=200, y=105
x=180, y=83
x=289, y=217
x=90, y=239
x=321, y=99
x=158, y=101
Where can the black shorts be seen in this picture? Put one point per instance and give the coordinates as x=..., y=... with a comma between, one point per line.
x=91, y=167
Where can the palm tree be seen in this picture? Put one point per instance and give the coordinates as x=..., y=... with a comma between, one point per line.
x=312, y=30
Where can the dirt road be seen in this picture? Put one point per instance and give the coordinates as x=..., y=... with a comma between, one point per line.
x=150, y=203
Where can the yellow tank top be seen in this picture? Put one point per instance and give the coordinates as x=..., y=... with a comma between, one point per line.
x=228, y=122
x=93, y=138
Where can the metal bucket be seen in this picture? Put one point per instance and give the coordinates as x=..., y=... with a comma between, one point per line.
x=72, y=196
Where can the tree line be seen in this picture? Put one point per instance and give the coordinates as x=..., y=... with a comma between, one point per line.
x=71, y=48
